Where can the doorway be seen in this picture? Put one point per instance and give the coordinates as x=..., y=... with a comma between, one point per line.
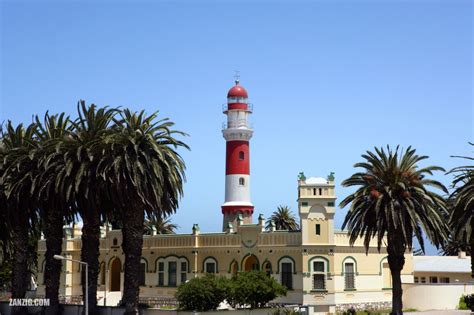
x=115, y=269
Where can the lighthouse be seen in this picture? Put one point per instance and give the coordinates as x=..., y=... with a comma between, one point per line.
x=237, y=207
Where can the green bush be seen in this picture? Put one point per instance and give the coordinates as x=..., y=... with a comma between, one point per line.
x=466, y=302
x=202, y=294
x=254, y=288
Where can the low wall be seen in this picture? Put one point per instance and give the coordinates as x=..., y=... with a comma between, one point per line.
x=430, y=296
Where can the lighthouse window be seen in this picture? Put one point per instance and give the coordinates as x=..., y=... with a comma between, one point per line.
x=320, y=192
x=241, y=155
x=241, y=181
x=314, y=191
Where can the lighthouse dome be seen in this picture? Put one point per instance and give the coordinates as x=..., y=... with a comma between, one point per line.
x=237, y=91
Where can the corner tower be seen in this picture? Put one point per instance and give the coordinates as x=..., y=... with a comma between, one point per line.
x=316, y=204
x=237, y=133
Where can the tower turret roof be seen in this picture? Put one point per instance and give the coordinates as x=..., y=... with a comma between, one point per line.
x=237, y=91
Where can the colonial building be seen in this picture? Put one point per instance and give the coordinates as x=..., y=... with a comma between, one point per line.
x=316, y=263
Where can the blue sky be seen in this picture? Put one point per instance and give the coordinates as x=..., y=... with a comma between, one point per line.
x=328, y=80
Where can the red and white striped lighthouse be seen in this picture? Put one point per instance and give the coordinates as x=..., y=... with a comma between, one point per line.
x=237, y=133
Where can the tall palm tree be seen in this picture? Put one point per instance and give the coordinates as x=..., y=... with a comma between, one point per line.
x=54, y=208
x=283, y=219
x=160, y=225
x=19, y=169
x=144, y=175
x=83, y=189
x=392, y=201
x=461, y=220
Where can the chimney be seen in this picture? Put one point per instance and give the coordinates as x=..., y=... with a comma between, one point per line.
x=462, y=254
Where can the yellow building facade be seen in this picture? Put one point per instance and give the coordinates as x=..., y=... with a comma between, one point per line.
x=316, y=263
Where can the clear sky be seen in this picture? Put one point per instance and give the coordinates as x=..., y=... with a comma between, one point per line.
x=328, y=80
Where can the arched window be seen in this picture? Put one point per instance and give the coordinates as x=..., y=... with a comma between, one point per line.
x=349, y=266
x=242, y=181
x=234, y=268
x=267, y=268
x=210, y=265
x=319, y=267
x=241, y=155
x=286, y=267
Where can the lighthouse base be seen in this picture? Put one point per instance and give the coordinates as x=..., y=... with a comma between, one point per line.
x=236, y=215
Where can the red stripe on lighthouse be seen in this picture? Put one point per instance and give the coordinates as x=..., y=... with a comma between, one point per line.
x=237, y=158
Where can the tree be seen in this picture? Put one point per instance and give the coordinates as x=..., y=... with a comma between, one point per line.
x=19, y=167
x=160, y=225
x=461, y=218
x=143, y=176
x=452, y=247
x=202, y=294
x=254, y=288
x=82, y=188
x=54, y=207
x=392, y=201
x=283, y=219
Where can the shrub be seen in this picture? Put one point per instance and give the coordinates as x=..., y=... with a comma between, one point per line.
x=466, y=302
x=202, y=294
x=253, y=288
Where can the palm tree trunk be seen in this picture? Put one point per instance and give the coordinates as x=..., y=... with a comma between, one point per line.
x=20, y=274
x=90, y=255
x=53, y=231
x=132, y=247
x=396, y=261
x=472, y=266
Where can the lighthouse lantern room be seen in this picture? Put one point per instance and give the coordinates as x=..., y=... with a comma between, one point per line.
x=237, y=208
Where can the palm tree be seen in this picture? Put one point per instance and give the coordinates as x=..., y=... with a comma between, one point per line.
x=461, y=219
x=82, y=188
x=283, y=219
x=54, y=207
x=392, y=201
x=160, y=225
x=19, y=169
x=144, y=175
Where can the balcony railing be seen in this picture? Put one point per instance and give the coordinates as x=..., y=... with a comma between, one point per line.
x=241, y=123
x=225, y=107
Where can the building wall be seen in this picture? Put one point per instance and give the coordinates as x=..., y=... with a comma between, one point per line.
x=434, y=296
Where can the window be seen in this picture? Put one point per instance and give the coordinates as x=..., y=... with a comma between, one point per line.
x=423, y=280
x=210, y=267
x=161, y=273
x=287, y=275
x=141, y=280
x=184, y=271
x=318, y=229
x=241, y=155
x=319, y=275
x=115, y=242
x=314, y=191
x=416, y=280
x=172, y=273
x=304, y=204
x=331, y=204
x=349, y=276
x=320, y=191
x=433, y=279
x=443, y=279
x=267, y=268
x=242, y=181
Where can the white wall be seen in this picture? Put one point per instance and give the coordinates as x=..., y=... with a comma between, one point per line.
x=434, y=296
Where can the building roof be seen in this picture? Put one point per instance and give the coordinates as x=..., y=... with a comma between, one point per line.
x=448, y=264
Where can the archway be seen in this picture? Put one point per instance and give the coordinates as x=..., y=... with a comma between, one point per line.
x=250, y=263
x=115, y=268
